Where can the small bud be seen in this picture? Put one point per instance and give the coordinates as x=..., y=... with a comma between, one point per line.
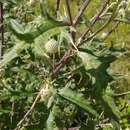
x=46, y=93
x=51, y=46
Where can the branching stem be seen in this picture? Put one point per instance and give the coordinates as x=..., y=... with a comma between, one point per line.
x=29, y=112
x=94, y=20
x=67, y=55
x=81, y=11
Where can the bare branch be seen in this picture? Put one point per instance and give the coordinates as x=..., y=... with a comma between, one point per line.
x=62, y=62
x=29, y=112
x=94, y=20
x=100, y=29
x=69, y=12
x=67, y=55
x=81, y=11
x=71, y=20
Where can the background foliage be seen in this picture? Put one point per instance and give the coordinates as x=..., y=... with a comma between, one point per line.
x=91, y=91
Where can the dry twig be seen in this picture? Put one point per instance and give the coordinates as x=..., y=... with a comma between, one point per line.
x=29, y=112
x=81, y=11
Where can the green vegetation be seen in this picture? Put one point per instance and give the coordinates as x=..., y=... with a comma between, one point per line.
x=65, y=65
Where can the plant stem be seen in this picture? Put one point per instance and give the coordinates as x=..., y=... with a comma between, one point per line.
x=68, y=53
x=93, y=21
x=100, y=29
x=71, y=20
x=81, y=11
x=29, y=112
x=1, y=30
x=69, y=12
x=62, y=62
x=66, y=56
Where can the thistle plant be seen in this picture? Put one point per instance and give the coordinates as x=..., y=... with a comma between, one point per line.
x=57, y=73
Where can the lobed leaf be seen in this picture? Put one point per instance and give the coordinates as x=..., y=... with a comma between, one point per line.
x=12, y=54
x=30, y=35
x=110, y=106
x=51, y=124
x=90, y=61
x=78, y=100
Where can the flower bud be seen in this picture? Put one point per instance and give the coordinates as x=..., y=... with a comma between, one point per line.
x=51, y=46
x=46, y=93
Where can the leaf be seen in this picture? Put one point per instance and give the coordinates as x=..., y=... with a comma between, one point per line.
x=30, y=35
x=3, y=111
x=110, y=106
x=97, y=67
x=98, y=71
x=77, y=99
x=90, y=61
x=51, y=124
x=19, y=31
x=16, y=26
x=13, y=53
x=50, y=101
